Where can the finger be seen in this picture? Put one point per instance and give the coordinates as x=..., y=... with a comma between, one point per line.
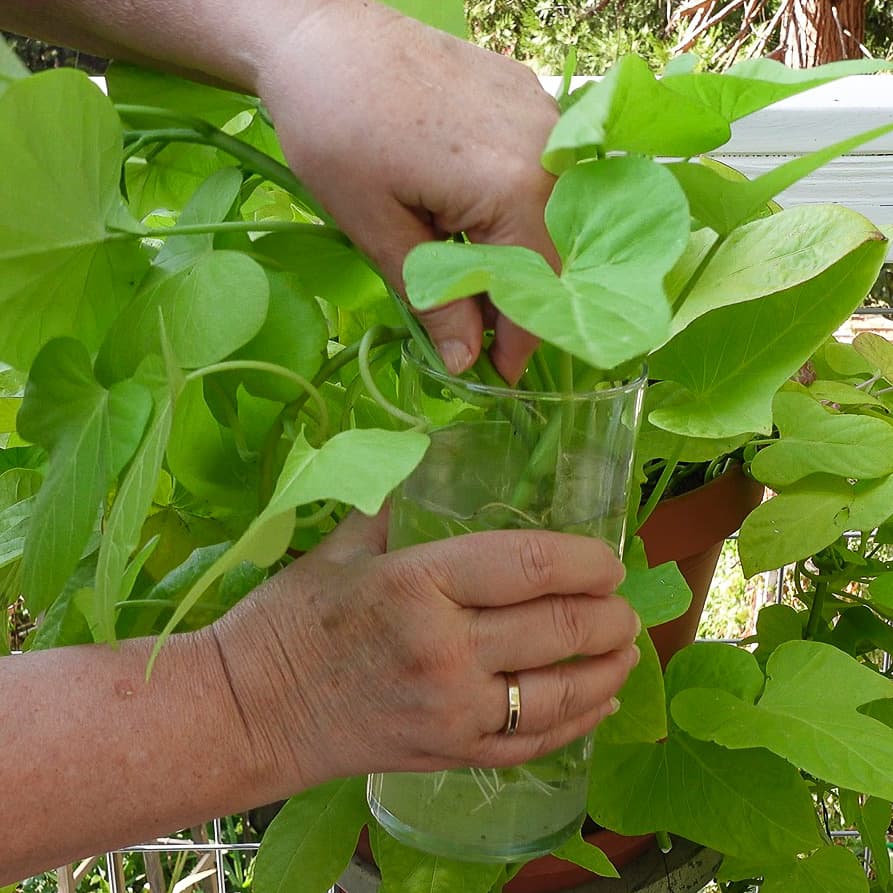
x=511, y=349
x=357, y=536
x=503, y=751
x=552, y=697
x=456, y=330
x=566, y=625
x=504, y=567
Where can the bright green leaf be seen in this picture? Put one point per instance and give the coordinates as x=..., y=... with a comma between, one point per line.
x=310, y=842
x=736, y=802
x=830, y=868
x=877, y=350
x=776, y=253
x=590, y=857
x=757, y=83
x=64, y=269
x=631, y=111
x=166, y=182
x=643, y=709
x=716, y=664
x=359, y=467
x=619, y=225
x=815, y=439
x=408, y=870
x=807, y=714
x=326, y=268
x=125, y=521
x=774, y=533
x=132, y=85
x=448, y=15
x=90, y=434
x=203, y=455
x=294, y=335
x=730, y=379
x=776, y=624
x=722, y=204
x=841, y=393
x=657, y=594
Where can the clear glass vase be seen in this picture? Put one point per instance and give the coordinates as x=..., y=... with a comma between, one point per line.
x=506, y=458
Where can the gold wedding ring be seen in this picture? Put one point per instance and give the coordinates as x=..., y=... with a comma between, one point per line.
x=514, y=696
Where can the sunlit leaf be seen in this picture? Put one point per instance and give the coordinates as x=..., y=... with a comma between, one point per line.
x=733, y=360
x=65, y=269
x=90, y=433
x=807, y=714
x=631, y=111
x=310, y=842
x=619, y=225
x=814, y=439
x=774, y=534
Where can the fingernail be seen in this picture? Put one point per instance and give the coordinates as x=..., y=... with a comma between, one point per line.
x=637, y=655
x=615, y=706
x=456, y=355
x=638, y=626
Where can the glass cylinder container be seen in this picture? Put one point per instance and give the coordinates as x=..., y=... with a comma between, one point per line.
x=506, y=458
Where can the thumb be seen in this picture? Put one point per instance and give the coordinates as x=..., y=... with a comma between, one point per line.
x=357, y=536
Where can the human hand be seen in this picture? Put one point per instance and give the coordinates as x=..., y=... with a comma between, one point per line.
x=406, y=134
x=355, y=660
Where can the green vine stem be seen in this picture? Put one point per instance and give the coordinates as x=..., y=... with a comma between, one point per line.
x=189, y=129
x=273, y=369
x=815, y=610
x=317, y=517
x=374, y=392
x=320, y=230
x=659, y=488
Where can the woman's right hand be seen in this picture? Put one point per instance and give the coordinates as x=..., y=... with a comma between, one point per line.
x=355, y=660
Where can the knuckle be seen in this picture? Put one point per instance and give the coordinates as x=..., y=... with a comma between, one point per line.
x=537, y=561
x=568, y=696
x=569, y=625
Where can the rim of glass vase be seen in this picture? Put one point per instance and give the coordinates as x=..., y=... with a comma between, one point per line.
x=412, y=355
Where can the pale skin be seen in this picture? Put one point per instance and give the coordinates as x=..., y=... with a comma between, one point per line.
x=351, y=660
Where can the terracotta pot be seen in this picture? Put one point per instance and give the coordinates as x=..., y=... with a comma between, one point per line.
x=690, y=530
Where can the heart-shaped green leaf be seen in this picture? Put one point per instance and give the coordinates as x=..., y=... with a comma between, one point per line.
x=737, y=802
x=757, y=83
x=774, y=534
x=90, y=434
x=631, y=111
x=732, y=361
x=808, y=714
x=619, y=225
x=815, y=439
x=190, y=288
x=65, y=266
x=775, y=253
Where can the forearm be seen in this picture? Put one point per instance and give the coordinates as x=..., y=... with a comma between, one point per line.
x=210, y=40
x=81, y=725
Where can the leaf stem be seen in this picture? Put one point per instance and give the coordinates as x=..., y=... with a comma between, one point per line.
x=815, y=610
x=659, y=488
x=699, y=271
x=249, y=226
x=189, y=129
x=259, y=366
x=374, y=392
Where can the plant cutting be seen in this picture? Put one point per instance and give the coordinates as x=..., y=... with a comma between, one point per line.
x=168, y=450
